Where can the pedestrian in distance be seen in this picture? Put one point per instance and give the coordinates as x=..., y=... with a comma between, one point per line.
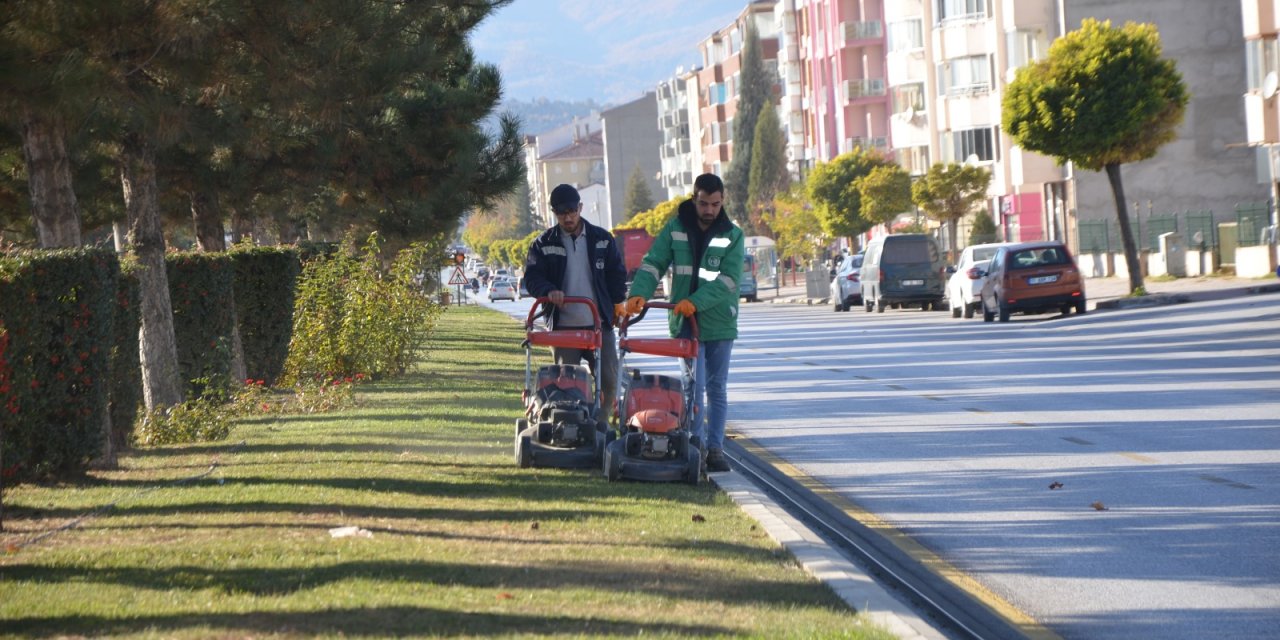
x=577, y=258
x=704, y=251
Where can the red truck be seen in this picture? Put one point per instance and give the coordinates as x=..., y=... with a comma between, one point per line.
x=634, y=243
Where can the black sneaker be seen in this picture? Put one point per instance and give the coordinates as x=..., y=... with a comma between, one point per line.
x=716, y=461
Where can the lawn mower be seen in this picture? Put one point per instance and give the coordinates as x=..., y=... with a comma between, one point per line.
x=655, y=440
x=561, y=425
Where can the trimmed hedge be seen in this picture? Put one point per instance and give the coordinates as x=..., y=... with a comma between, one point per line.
x=59, y=311
x=201, y=291
x=266, y=280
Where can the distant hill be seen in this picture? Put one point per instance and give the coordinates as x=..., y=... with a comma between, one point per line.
x=541, y=115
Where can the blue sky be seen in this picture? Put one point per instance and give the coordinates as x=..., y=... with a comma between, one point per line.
x=611, y=51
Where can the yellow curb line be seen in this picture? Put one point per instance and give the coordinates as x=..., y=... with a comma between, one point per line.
x=998, y=605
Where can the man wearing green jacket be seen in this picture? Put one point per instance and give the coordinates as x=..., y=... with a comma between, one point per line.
x=704, y=251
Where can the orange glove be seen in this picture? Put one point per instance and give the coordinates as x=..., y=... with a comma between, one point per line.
x=634, y=305
x=685, y=308
x=619, y=314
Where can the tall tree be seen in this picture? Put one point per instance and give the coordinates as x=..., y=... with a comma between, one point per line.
x=755, y=88
x=1104, y=96
x=885, y=193
x=798, y=232
x=948, y=192
x=833, y=188
x=638, y=197
x=769, y=175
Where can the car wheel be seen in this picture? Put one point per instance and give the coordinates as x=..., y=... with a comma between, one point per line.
x=837, y=305
x=987, y=316
x=1004, y=311
x=866, y=304
x=1065, y=309
x=969, y=309
x=1081, y=306
x=880, y=305
x=955, y=311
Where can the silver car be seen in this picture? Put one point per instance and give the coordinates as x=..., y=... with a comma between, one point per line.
x=502, y=289
x=846, y=289
x=964, y=287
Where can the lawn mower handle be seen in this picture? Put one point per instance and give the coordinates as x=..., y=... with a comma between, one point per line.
x=692, y=320
x=543, y=300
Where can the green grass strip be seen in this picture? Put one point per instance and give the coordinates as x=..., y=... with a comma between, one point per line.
x=462, y=542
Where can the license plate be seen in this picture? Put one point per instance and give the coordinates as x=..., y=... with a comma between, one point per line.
x=912, y=283
x=1042, y=280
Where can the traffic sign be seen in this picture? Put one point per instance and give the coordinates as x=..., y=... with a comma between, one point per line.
x=458, y=277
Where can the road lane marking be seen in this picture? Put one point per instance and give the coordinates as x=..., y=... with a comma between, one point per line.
x=1230, y=483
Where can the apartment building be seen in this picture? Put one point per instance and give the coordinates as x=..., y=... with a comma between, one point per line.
x=678, y=118
x=554, y=146
x=630, y=142
x=791, y=103
x=581, y=164
x=1261, y=25
x=841, y=47
x=718, y=81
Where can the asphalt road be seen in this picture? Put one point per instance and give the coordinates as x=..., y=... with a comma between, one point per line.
x=1168, y=419
x=1159, y=429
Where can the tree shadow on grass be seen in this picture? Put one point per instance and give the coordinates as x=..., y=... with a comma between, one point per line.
x=356, y=622
x=672, y=580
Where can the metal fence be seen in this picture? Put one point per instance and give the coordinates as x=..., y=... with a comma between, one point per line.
x=1102, y=236
x=1251, y=219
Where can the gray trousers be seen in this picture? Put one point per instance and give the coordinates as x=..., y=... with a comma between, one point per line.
x=607, y=378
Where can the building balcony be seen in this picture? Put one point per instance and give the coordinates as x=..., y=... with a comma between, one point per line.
x=865, y=143
x=856, y=90
x=1259, y=17
x=1262, y=122
x=860, y=33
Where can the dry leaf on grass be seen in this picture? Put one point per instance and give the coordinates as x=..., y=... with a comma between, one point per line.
x=534, y=526
x=698, y=517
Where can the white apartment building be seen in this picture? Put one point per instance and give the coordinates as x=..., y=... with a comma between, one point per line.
x=681, y=160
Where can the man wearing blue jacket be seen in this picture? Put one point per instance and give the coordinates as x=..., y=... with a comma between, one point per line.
x=577, y=258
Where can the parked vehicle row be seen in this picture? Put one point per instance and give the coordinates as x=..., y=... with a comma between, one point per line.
x=1000, y=279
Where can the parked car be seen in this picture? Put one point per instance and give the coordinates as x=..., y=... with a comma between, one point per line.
x=1032, y=277
x=502, y=289
x=901, y=270
x=964, y=288
x=846, y=289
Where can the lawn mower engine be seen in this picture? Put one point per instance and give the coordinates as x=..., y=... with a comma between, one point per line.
x=561, y=407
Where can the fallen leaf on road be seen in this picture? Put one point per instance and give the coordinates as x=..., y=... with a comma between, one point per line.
x=1056, y=485
x=697, y=517
x=1099, y=506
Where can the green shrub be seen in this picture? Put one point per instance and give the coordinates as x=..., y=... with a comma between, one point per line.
x=59, y=313
x=126, y=367
x=352, y=316
x=984, y=229
x=200, y=290
x=266, y=279
x=205, y=419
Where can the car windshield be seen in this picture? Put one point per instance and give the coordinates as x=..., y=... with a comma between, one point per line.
x=908, y=251
x=984, y=253
x=1040, y=257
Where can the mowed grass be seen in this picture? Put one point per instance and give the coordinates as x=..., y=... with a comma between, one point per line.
x=463, y=543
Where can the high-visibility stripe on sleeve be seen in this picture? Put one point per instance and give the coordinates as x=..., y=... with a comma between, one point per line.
x=728, y=283
x=679, y=236
x=684, y=271
x=552, y=250
x=649, y=269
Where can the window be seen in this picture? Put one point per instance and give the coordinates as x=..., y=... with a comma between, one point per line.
x=960, y=145
x=573, y=167
x=906, y=35
x=1026, y=47
x=914, y=159
x=1260, y=59
x=953, y=9
x=969, y=74
x=716, y=93
x=908, y=96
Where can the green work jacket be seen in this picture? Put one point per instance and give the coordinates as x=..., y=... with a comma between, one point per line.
x=716, y=294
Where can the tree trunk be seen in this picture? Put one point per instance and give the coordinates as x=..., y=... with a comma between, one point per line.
x=207, y=216
x=1126, y=232
x=953, y=232
x=158, y=350
x=53, y=201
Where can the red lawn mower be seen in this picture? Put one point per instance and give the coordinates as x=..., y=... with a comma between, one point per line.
x=561, y=427
x=655, y=441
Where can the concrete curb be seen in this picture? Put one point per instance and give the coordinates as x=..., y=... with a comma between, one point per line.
x=849, y=581
x=1140, y=302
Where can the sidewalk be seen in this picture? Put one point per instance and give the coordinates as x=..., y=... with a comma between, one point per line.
x=1102, y=293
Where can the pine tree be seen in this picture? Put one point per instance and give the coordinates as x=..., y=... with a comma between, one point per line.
x=755, y=88
x=638, y=197
x=769, y=175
